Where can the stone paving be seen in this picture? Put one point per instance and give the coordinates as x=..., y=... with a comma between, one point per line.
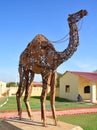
x=36, y=124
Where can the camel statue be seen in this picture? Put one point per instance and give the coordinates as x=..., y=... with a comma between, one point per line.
x=40, y=57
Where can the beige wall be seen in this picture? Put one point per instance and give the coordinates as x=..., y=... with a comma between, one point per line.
x=2, y=87
x=57, y=92
x=84, y=82
x=12, y=91
x=36, y=91
x=77, y=85
x=72, y=80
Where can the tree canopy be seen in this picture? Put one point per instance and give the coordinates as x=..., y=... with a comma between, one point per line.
x=11, y=84
x=58, y=77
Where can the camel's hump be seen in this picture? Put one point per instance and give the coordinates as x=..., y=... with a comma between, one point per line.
x=40, y=37
x=40, y=42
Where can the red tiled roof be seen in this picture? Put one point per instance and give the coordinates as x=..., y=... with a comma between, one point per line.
x=37, y=83
x=88, y=75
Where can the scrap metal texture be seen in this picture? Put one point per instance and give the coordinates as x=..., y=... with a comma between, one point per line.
x=41, y=57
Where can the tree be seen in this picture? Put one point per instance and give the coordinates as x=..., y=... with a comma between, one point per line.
x=58, y=77
x=95, y=70
x=11, y=84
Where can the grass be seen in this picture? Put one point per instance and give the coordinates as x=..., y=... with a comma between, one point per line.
x=86, y=121
x=60, y=104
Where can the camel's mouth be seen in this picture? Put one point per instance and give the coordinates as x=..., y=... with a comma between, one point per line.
x=84, y=12
x=75, y=17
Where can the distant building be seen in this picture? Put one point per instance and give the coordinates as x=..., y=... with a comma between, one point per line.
x=73, y=83
x=36, y=89
x=2, y=87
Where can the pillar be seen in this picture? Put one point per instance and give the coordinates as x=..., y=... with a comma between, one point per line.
x=93, y=92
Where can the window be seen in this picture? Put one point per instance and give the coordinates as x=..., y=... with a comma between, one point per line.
x=87, y=89
x=67, y=88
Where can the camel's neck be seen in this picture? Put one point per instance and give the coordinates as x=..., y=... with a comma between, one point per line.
x=73, y=43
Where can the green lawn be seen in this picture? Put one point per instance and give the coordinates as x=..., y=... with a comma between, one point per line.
x=35, y=104
x=86, y=121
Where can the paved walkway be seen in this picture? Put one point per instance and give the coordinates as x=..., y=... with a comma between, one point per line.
x=48, y=113
x=36, y=124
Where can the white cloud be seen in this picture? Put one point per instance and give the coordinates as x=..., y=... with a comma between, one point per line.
x=85, y=65
x=78, y=65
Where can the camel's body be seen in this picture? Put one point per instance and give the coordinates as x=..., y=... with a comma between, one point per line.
x=41, y=57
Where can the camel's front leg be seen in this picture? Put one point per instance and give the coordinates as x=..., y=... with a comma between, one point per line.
x=26, y=100
x=29, y=78
x=43, y=102
x=43, y=98
x=52, y=96
x=18, y=98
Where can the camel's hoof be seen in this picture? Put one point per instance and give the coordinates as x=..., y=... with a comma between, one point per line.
x=20, y=118
x=56, y=123
x=31, y=118
x=44, y=125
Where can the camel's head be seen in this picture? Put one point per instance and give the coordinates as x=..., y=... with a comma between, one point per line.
x=73, y=18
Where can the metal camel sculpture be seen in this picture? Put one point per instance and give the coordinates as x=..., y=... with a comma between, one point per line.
x=41, y=57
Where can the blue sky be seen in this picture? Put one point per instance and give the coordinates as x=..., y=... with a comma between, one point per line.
x=21, y=20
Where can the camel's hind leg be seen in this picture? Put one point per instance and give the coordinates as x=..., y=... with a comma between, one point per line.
x=28, y=91
x=18, y=98
x=20, y=90
x=45, y=78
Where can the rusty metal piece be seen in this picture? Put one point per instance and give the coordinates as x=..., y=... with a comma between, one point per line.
x=41, y=57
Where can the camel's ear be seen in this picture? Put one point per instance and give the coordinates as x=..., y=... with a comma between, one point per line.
x=69, y=15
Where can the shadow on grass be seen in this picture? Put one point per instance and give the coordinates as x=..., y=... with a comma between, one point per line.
x=57, y=99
